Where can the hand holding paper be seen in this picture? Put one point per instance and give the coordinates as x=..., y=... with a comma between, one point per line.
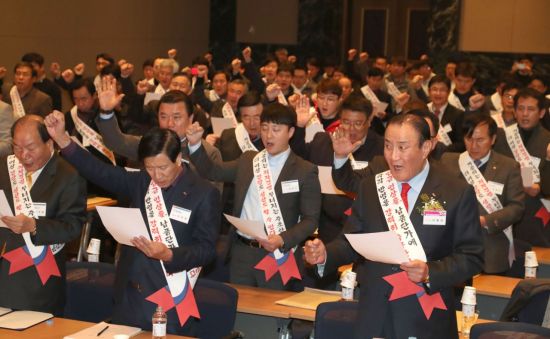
x=251, y=228
x=124, y=224
x=383, y=247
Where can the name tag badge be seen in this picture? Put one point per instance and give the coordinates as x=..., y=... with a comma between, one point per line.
x=434, y=217
x=496, y=187
x=40, y=208
x=360, y=165
x=536, y=161
x=447, y=128
x=290, y=186
x=180, y=214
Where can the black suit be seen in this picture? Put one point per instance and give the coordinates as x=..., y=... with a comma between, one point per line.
x=64, y=192
x=300, y=209
x=454, y=117
x=454, y=253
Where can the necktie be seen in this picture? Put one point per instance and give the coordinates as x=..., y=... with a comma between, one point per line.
x=405, y=187
x=437, y=113
x=28, y=179
x=477, y=162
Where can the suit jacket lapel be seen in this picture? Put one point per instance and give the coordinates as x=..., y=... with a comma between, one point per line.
x=430, y=186
x=286, y=172
x=44, y=181
x=490, y=169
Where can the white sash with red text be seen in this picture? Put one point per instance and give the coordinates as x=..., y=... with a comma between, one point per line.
x=519, y=150
x=17, y=105
x=274, y=223
x=453, y=100
x=91, y=137
x=243, y=139
x=228, y=113
x=180, y=284
x=497, y=117
x=398, y=220
x=369, y=94
x=485, y=196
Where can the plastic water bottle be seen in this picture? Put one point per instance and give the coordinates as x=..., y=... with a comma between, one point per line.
x=468, y=310
x=531, y=264
x=159, y=324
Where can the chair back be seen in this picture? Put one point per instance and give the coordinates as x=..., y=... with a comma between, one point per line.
x=508, y=330
x=217, y=304
x=336, y=319
x=90, y=290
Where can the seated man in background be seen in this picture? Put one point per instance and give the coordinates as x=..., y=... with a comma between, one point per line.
x=23, y=96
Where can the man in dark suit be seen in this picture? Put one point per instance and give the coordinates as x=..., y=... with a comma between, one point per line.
x=529, y=110
x=58, y=195
x=450, y=117
x=452, y=247
x=503, y=177
x=33, y=100
x=296, y=189
x=375, y=80
x=6, y=121
x=42, y=83
x=185, y=232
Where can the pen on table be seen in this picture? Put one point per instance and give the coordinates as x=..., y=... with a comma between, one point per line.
x=103, y=330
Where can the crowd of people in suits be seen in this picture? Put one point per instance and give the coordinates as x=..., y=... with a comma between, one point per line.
x=460, y=176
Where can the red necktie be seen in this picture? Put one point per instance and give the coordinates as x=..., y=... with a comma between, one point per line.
x=437, y=113
x=405, y=187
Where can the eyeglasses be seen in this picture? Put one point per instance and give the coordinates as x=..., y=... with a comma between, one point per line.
x=355, y=124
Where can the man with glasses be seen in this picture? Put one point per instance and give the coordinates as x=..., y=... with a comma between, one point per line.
x=329, y=94
x=505, y=117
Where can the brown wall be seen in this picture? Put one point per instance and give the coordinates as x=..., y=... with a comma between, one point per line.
x=519, y=26
x=397, y=23
x=73, y=31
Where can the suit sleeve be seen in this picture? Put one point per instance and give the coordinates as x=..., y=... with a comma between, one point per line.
x=6, y=121
x=514, y=205
x=310, y=209
x=203, y=249
x=213, y=169
x=346, y=179
x=120, y=143
x=466, y=259
x=69, y=216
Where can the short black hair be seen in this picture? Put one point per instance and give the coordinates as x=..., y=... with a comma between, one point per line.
x=511, y=85
x=112, y=69
x=440, y=78
x=424, y=113
x=286, y=67
x=25, y=64
x=33, y=57
x=105, y=56
x=173, y=97
x=38, y=123
x=224, y=73
x=466, y=69
x=159, y=141
x=375, y=72
x=398, y=60
x=200, y=60
x=148, y=62
x=329, y=86
x=251, y=98
x=530, y=93
x=357, y=103
x=473, y=120
x=83, y=82
x=417, y=123
x=279, y=114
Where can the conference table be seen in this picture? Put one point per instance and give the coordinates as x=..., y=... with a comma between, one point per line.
x=57, y=328
x=543, y=257
x=257, y=311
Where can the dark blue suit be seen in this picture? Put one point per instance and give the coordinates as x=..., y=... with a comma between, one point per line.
x=139, y=276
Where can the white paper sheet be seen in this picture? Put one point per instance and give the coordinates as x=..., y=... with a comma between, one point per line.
x=327, y=184
x=110, y=332
x=383, y=247
x=527, y=176
x=379, y=107
x=252, y=228
x=20, y=320
x=313, y=129
x=123, y=223
x=221, y=124
x=4, y=310
x=5, y=209
x=150, y=96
